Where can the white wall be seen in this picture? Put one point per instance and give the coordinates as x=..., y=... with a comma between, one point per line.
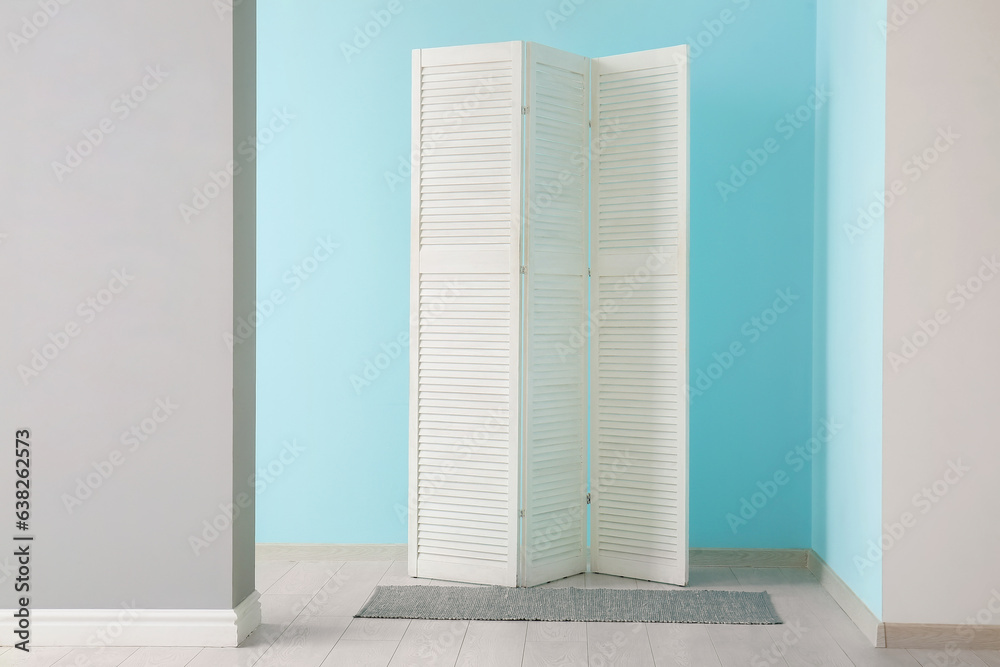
x=157, y=339
x=943, y=404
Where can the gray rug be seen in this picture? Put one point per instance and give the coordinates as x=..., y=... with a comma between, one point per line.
x=499, y=603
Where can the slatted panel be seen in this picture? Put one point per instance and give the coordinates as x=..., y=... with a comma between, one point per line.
x=465, y=320
x=555, y=382
x=639, y=293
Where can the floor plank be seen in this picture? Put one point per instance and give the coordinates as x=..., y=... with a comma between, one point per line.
x=619, y=644
x=305, y=577
x=248, y=653
x=160, y=657
x=430, y=643
x=361, y=653
x=397, y=575
x=376, y=629
x=576, y=581
x=594, y=580
x=348, y=590
x=742, y=645
x=282, y=609
x=269, y=571
x=709, y=578
x=681, y=645
x=991, y=658
x=951, y=657
x=36, y=657
x=554, y=654
x=755, y=579
x=493, y=644
x=802, y=641
x=306, y=642
x=104, y=656
x=552, y=631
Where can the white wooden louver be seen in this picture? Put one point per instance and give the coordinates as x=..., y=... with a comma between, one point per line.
x=555, y=295
x=639, y=292
x=528, y=161
x=465, y=336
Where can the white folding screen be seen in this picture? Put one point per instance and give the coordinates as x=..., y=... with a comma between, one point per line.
x=510, y=185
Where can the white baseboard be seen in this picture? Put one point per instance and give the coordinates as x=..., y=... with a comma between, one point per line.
x=858, y=611
x=138, y=627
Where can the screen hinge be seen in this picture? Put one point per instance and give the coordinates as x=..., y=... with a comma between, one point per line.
x=524, y=270
x=521, y=514
x=524, y=111
x=588, y=271
x=588, y=498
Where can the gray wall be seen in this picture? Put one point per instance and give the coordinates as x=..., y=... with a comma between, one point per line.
x=244, y=293
x=940, y=388
x=157, y=339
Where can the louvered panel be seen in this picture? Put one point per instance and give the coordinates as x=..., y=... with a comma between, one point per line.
x=465, y=313
x=639, y=289
x=555, y=383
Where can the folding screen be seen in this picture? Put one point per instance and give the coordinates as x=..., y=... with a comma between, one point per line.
x=524, y=154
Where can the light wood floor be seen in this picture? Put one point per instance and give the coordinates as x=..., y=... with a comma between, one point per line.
x=307, y=622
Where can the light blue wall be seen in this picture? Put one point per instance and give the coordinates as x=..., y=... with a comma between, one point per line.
x=847, y=371
x=324, y=174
